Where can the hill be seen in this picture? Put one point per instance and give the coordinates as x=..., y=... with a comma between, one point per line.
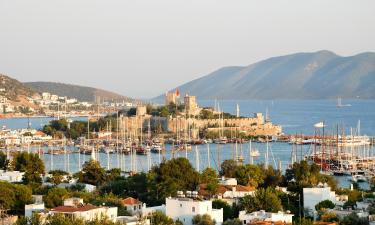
x=317, y=75
x=16, y=93
x=12, y=88
x=81, y=93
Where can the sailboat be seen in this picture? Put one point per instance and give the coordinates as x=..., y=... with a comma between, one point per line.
x=340, y=105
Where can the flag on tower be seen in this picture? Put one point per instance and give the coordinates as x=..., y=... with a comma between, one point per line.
x=177, y=93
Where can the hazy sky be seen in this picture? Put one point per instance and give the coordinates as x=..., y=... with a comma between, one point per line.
x=143, y=48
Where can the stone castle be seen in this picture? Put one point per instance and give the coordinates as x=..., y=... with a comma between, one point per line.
x=188, y=123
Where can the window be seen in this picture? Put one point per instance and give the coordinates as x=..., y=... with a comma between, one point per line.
x=140, y=206
x=135, y=207
x=244, y=222
x=181, y=205
x=193, y=209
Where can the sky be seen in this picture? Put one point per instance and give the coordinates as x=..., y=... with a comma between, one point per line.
x=143, y=48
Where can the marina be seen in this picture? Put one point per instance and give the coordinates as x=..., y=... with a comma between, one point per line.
x=345, y=154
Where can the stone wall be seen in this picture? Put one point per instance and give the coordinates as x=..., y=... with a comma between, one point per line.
x=255, y=126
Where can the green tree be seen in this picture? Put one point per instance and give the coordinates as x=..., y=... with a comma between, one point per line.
x=14, y=197
x=327, y=216
x=31, y=164
x=304, y=175
x=92, y=173
x=34, y=220
x=164, y=112
x=263, y=199
x=353, y=219
x=326, y=204
x=55, y=197
x=271, y=177
x=209, y=177
x=249, y=175
x=171, y=176
x=57, y=176
x=159, y=218
x=23, y=196
x=303, y=221
x=350, y=204
x=113, y=174
x=60, y=219
x=228, y=211
x=203, y=220
x=233, y=222
x=228, y=168
x=3, y=161
x=7, y=196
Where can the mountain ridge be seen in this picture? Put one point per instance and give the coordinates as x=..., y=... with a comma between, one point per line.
x=304, y=75
x=82, y=93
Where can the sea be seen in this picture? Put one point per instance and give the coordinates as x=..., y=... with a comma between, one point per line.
x=295, y=117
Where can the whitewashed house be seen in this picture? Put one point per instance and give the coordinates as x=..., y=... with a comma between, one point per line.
x=184, y=208
x=11, y=176
x=262, y=215
x=36, y=207
x=133, y=206
x=33, y=208
x=312, y=196
x=74, y=207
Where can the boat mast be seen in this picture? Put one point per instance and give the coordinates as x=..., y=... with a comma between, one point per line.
x=197, y=158
x=266, y=155
x=250, y=154
x=51, y=159
x=117, y=149
x=208, y=155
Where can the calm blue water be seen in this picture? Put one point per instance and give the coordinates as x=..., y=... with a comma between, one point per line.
x=299, y=116
x=295, y=116
x=37, y=123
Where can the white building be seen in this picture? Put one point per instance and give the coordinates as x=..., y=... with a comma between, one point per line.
x=227, y=181
x=54, y=98
x=36, y=207
x=133, y=206
x=46, y=96
x=11, y=176
x=71, y=101
x=33, y=208
x=185, y=208
x=312, y=196
x=150, y=210
x=247, y=218
x=74, y=207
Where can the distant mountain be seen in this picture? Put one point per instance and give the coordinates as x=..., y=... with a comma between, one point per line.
x=317, y=75
x=81, y=93
x=16, y=93
x=12, y=88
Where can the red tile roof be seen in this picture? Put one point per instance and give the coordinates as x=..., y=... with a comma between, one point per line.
x=131, y=201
